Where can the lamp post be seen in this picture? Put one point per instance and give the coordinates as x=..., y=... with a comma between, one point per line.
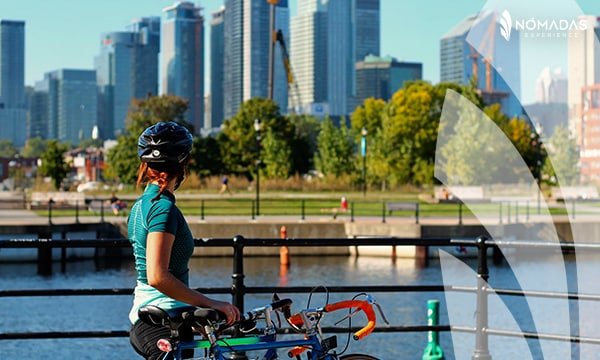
x=363, y=151
x=258, y=129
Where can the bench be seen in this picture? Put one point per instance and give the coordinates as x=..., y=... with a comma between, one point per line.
x=403, y=206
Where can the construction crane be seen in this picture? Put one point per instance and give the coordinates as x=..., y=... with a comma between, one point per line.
x=486, y=48
x=291, y=80
x=277, y=37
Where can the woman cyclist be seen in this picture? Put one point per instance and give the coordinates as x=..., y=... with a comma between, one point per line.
x=161, y=239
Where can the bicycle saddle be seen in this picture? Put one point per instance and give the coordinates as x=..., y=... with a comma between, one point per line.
x=171, y=318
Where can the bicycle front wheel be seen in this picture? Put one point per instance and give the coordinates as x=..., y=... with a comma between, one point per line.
x=357, y=357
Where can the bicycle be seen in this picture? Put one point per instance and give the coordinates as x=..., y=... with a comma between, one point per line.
x=307, y=322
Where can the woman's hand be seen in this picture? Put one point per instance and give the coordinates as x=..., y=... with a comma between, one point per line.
x=232, y=312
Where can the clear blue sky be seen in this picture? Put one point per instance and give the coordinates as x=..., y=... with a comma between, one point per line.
x=66, y=33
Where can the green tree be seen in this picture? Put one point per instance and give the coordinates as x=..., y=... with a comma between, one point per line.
x=7, y=149
x=91, y=143
x=369, y=115
x=54, y=164
x=206, y=157
x=122, y=159
x=34, y=148
x=335, y=149
x=562, y=165
x=276, y=156
x=239, y=139
x=304, y=142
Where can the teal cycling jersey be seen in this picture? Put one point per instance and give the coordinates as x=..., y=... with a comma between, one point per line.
x=154, y=213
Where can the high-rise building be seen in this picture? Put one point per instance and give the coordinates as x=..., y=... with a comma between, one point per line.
x=380, y=78
x=551, y=87
x=183, y=58
x=328, y=38
x=217, y=67
x=308, y=51
x=71, y=96
x=12, y=81
x=584, y=94
x=368, y=28
x=246, y=53
x=459, y=60
x=234, y=56
x=256, y=51
x=126, y=68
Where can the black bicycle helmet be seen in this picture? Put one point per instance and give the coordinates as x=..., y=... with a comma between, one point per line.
x=165, y=144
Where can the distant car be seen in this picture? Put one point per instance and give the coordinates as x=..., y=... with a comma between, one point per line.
x=90, y=186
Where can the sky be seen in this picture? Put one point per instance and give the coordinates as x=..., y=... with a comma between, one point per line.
x=66, y=33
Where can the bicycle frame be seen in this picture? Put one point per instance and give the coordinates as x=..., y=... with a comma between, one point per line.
x=253, y=343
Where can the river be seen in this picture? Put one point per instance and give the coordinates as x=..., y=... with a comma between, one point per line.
x=81, y=313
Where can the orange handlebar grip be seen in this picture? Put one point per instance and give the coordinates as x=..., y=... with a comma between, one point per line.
x=365, y=306
x=296, y=319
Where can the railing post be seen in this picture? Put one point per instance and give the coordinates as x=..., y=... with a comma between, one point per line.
x=500, y=213
x=517, y=211
x=460, y=217
x=44, y=254
x=508, y=212
x=101, y=211
x=252, y=210
x=352, y=212
x=50, y=202
x=237, y=287
x=383, y=212
x=202, y=209
x=76, y=211
x=417, y=213
x=303, y=210
x=481, y=351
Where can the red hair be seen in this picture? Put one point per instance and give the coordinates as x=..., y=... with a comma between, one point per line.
x=148, y=175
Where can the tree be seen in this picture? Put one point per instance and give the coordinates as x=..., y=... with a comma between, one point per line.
x=122, y=159
x=34, y=148
x=561, y=167
x=238, y=140
x=369, y=115
x=54, y=164
x=335, y=149
x=7, y=149
x=206, y=157
x=304, y=143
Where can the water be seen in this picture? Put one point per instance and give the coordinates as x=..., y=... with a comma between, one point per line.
x=84, y=313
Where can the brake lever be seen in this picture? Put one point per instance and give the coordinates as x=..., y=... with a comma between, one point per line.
x=372, y=301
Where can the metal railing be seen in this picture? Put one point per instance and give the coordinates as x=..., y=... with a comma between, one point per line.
x=501, y=212
x=239, y=290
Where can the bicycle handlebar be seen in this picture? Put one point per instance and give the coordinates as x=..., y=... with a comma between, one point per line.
x=363, y=305
x=283, y=305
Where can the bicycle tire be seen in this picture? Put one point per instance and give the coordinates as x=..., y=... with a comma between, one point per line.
x=357, y=357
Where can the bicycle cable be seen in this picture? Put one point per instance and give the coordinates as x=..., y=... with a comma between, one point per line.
x=350, y=324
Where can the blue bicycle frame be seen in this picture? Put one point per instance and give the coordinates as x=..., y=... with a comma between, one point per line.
x=254, y=343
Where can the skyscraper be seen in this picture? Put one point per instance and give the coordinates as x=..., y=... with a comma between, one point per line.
x=256, y=51
x=234, y=51
x=308, y=51
x=12, y=81
x=380, y=78
x=368, y=28
x=328, y=38
x=217, y=65
x=584, y=95
x=127, y=68
x=183, y=58
x=71, y=103
x=459, y=60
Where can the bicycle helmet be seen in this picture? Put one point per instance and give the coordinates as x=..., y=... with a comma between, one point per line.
x=165, y=144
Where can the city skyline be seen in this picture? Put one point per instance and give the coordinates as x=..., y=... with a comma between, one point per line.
x=52, y=22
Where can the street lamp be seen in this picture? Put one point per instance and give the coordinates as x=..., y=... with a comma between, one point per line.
x=258, y=129
x=363, y=151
